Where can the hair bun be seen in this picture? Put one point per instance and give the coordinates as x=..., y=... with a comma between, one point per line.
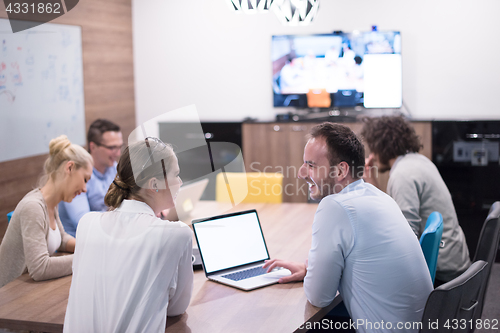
x=58, y=145
x=122, y=186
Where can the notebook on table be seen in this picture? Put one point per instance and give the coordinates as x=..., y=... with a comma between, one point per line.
x=233, y=250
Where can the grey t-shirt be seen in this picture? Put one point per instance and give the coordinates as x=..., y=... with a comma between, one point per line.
x=416, y=185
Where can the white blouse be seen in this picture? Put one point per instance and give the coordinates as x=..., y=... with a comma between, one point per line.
x=54, y=240
x=130, y=270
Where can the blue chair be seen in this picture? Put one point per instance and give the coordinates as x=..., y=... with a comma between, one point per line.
x=9, y=215
x=431, y=240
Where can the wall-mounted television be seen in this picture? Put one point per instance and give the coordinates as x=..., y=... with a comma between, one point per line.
x=337, y=70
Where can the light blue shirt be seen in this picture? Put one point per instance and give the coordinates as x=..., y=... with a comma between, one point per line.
x=70, y=213
x=363, y=247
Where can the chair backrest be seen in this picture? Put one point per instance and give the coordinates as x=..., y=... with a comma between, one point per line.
x=430, y=241
x=456, y=301
x=249, y=187
x=9, y=216
x=487, y=245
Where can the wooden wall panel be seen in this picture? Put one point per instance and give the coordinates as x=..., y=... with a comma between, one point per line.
x=108, y=75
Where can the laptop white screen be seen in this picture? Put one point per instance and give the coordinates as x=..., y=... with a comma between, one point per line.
x=229, y=242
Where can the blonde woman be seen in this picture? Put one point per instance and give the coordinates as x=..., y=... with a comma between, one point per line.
x=132, y=269
x=35, y=232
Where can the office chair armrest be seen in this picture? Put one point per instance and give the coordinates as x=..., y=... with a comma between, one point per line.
x=471, y=307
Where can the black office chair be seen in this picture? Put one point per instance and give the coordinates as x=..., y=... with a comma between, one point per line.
x=487, y=246
x=456, y=302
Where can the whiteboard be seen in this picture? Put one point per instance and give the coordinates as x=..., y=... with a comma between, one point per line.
x=41, y=88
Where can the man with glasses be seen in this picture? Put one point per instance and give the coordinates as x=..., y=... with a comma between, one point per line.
x=104, y=143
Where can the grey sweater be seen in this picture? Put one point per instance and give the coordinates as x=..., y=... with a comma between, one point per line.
x=24, y=246
x=416, y=185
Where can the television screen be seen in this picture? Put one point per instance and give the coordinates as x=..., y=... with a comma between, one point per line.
x=338, y=70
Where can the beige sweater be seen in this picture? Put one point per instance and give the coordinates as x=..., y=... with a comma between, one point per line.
x=24, y=246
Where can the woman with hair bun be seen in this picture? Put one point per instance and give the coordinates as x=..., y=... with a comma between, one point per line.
x=35, y=232
x=132, y=269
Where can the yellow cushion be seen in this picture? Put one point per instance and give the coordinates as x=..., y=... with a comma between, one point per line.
x=249, y=187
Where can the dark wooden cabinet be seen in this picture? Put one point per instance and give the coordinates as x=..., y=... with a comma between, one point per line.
x=279, y=147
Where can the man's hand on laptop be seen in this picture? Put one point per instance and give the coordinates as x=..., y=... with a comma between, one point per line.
x=298, y=270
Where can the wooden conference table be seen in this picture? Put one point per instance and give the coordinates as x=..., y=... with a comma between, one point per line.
x=40, y=306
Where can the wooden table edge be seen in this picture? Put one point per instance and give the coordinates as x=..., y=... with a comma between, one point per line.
x=319, y=315
x=14, y=324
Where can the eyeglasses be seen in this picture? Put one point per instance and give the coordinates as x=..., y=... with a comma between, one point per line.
x=154, y=145
x=113, y=148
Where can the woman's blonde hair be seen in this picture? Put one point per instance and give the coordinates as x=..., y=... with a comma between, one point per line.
x=139, y=163
x=62, y=150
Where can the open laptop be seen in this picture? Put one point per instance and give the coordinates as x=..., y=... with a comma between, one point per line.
x=186, y=200
x=233, y=250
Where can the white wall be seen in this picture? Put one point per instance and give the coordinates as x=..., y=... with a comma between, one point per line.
x=200, y=52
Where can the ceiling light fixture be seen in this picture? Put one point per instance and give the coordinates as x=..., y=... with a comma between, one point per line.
x=250, y=6
x=295, y=12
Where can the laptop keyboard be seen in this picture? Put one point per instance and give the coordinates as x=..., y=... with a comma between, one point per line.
x=248, y=273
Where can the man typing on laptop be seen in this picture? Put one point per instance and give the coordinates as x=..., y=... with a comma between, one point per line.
x=362, y=245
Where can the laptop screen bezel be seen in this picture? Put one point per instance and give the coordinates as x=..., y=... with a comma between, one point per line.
x=197, y=221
